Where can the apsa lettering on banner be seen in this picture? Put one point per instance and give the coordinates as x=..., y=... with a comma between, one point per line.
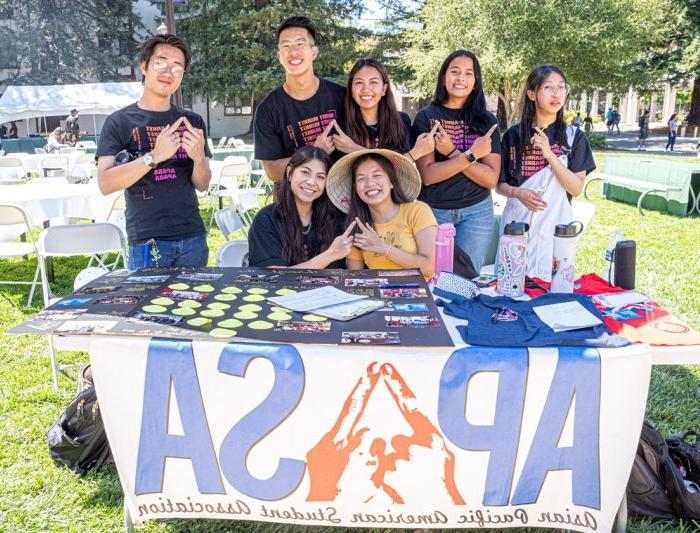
x=171, y=367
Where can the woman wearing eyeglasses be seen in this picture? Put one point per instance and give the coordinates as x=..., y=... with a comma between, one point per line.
x=544, y=164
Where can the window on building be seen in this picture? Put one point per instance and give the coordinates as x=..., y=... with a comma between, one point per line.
x=236, y=106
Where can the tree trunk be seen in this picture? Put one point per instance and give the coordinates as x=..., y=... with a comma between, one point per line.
x=501, y=114
x=694, y=113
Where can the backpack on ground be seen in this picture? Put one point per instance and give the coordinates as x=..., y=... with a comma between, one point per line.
x=78, y=439
x=657, y=488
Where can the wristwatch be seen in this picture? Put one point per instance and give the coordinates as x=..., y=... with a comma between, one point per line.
x=470, y=157
x=148, y=160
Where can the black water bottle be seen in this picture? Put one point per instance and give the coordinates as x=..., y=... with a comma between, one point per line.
x=625, y=264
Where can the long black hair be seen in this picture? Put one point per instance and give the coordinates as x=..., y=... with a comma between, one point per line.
x=360, y=209
x=324, y=215
x=392, y=133
x=474, y=110
x=527, y=113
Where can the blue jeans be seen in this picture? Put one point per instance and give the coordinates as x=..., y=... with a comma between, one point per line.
x=474, y=225
x=190, y=252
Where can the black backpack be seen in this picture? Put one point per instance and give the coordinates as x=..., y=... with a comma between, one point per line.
x=657, y=488
x=78, y=439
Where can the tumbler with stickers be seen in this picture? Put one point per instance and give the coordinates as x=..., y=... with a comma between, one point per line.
x=564, y=256
x=444, y=248
x=511, y=259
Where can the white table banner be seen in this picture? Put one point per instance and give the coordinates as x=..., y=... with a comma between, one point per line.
x=369, y=436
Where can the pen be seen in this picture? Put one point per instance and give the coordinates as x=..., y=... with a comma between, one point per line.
x=400, y=286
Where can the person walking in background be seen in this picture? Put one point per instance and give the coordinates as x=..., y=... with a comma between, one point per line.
x=576, y=121
x=672, y=131
x=643, y=130
x=588, y=123
x=609, y=119
x=616, y=120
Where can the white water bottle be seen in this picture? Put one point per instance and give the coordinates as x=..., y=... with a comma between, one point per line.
x=610, y=257
x=564, y=256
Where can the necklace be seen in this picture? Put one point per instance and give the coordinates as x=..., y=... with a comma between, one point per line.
x=307, y=230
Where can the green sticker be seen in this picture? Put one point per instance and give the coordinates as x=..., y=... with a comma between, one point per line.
x=278, y=309
x=285, y=292
x=203, y=288
x=153, y=308
x=250, y=307
x=254, y=298
x=260, y=324
x=183, y=311
x=278, y=316
x=192, y=304
x=179, y=286
x=199, y=321
x=162, y=301
x=231, y=290
x=230, y=323
x=246, y=315
x=212, y=313
x=218, y=305
x=222, y=332
x=314, y=318
x=225, y=297
x=256, y=290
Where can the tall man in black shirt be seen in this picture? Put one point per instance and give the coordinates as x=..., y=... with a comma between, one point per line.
x=158, y=154
x=302, y=110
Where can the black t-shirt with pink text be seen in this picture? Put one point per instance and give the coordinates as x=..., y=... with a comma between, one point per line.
x=163, y=203
x=457, y=191
x=283, y=124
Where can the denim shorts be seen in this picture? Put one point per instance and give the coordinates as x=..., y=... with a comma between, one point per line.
x=190, y=252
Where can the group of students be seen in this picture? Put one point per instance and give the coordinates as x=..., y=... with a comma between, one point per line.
x=356, y=181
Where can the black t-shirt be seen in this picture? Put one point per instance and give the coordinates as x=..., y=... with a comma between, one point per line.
x=265, y=243
x=163, y=203
x=3, y=132
x=515, y=171
x=12, y=132
x=373, y=131
x=283, y=124
x=72, y=124
x=457, y=191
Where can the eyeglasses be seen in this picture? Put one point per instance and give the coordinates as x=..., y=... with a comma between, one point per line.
x=551, y=90
x=290, y=47
x=161, y=67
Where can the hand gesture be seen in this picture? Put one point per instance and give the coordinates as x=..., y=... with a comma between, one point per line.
x=343, y=142
x=541, y=141
x=530, y=199
x=325, y=140
x=342, y=244
x=368, y=239
x=482, y=146
x=193, y=141
x=168, y=142
x=425, y=143
x=443, y=142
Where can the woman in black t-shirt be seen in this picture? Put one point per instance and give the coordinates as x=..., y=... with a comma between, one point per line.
x=301, y=228
x=371, y=117
x=458, y=175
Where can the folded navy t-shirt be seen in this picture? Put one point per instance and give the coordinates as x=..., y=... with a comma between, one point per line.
x=503, y=321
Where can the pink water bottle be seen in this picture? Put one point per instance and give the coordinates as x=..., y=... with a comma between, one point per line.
x=511, y=259
x=444, y=248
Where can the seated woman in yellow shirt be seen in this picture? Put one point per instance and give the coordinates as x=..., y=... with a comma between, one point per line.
x=378, y=189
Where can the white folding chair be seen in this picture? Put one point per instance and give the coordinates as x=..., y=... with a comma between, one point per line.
x=116, y=216
x=12, y=170
x=222, y=142
x=72, y=343
x=66, y=150
x=232, y=254
x=229, y=222
x=83, y=168
x=40, y=151
x=237, y=143
x=14, y=222
x=228, y=182
x=77, y=239
x=245, y=202
x=56, y=165
x=230, y=142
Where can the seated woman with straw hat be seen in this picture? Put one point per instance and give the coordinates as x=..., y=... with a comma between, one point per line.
x=378, y=189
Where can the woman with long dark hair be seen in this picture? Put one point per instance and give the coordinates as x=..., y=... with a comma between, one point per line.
x=545, y=163
x=672, y=129
x=301, y=228
x=378, y=189
x=371, y=117
x=458, y=175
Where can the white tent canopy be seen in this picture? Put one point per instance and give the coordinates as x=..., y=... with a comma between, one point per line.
x=31, y=101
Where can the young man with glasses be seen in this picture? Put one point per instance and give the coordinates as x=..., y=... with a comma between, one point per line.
x=301, y=111
x=158, y=154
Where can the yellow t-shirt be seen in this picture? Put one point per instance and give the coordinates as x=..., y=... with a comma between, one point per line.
x=400, y=231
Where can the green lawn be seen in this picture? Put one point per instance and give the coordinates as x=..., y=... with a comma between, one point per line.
x=35, y=495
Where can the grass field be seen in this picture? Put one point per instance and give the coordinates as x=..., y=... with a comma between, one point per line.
x=35, y=495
